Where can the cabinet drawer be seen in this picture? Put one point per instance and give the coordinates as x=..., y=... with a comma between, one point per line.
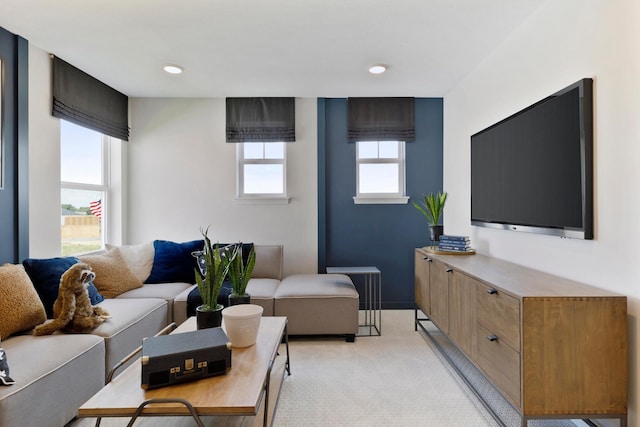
x=500, y=363
x=499, y=313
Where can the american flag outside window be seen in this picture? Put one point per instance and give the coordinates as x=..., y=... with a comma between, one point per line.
x=96, y=208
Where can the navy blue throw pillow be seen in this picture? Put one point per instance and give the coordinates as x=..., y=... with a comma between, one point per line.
x=173, y=262
x=46, y=273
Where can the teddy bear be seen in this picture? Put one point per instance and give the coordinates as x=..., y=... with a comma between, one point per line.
x=72, y=310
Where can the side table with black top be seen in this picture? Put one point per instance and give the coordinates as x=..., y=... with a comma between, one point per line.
x=372, y=296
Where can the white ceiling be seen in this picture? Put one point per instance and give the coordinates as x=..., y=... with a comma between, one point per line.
x=304, y=48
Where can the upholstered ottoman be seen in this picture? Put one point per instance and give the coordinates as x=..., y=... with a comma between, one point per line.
x=318, y=304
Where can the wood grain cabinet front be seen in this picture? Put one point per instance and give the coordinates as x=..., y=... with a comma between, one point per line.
x=553, y=347
x=499, y=313
x=422, y=265
x=439, y=294
x=462, y=312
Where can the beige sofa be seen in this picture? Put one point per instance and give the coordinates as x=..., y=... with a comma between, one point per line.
x=73, y=367
x=55, y=374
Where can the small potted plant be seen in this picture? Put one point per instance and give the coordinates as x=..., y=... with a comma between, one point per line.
x=240, y=273
x=432, y=210
x=213, y=266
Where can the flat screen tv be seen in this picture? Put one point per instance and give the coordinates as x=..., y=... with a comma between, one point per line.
x=533, y=171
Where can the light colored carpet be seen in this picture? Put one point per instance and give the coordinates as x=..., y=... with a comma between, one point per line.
x=397, y=379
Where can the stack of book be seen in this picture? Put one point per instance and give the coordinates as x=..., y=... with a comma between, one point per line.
x=454, y=243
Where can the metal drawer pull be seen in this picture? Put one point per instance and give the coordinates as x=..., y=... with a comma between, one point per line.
x=492, y=338
x=449, y=270
x=492, y=291
x=426, y=258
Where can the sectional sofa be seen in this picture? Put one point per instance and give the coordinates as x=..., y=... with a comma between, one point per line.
x=144, y=288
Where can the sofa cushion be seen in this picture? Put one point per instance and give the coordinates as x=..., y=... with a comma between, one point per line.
x=45, y=274
x=20, y=306
x=139, y=258
x=173, y=262
x=262, y=292
x=180, y=305
x=113, y=276
x=5, y=379
x=132, y=319
x=54, y=375
x=166, y=291
x=268, y=262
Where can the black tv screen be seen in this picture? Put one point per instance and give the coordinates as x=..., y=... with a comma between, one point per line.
x=533, y=171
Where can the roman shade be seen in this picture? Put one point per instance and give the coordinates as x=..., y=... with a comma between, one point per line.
x=86, y=101
x=381, y=119
x=261, y=120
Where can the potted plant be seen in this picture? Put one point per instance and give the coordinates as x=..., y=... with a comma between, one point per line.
x=213, y=267
x=240, y=273
x=432, y=210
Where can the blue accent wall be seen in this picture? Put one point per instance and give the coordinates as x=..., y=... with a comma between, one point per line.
x=14, y=193
x=383, y=236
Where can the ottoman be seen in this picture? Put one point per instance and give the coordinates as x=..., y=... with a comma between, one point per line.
x=318, y=304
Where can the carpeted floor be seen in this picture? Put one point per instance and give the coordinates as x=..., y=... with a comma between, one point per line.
x=397, y=379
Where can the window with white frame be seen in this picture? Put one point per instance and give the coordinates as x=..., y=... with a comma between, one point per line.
x=380, y=172
x=261, y=169
x=84, y=175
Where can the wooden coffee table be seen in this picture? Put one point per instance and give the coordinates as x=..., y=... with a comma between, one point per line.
x=250, y=389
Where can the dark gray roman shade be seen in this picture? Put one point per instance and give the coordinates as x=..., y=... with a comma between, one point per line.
x=86, y=101
x=261, y=120
x=381, y=119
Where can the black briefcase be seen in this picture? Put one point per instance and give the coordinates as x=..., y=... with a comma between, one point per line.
x=188, y=356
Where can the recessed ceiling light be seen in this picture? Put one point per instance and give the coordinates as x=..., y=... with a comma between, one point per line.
x=378, y=68
x=173, y=69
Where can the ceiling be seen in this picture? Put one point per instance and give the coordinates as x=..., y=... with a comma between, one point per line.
x=303, y=48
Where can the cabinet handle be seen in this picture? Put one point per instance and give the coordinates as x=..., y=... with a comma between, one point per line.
x=427, y=259
x=492, y=291
x=492, y=338
x=449, y=270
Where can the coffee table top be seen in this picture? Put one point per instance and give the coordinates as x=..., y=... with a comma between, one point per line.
x=238, y=392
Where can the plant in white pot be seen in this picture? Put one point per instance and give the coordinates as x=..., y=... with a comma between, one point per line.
x=432, y=208
x=239, y=273
x=213, y=266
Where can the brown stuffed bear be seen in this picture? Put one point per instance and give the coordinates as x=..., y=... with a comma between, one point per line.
x=72, y=310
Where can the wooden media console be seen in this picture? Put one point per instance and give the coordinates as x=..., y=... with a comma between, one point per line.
x=553, y=347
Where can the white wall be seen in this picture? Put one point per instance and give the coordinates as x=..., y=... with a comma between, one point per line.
x=561, y=43
x=182, y=177
x=44, y=160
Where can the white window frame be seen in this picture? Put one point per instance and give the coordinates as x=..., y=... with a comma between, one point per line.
x=241, y=161
x=382, y=198
x=102, y=188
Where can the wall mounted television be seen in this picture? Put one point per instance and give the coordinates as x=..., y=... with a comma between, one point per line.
x=533, y=171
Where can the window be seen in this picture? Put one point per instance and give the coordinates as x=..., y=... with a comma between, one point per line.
x=261, y=170
x=84, y=188
x=380, y=176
